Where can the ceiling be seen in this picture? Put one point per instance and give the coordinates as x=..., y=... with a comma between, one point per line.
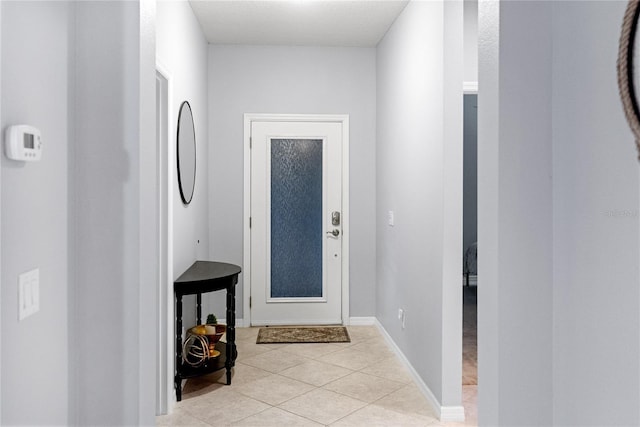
x=360, y=23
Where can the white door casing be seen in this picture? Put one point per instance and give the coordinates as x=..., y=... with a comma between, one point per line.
x=165, y=396
x=332, y=306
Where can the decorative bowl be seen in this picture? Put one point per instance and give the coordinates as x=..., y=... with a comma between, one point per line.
x=213, y=333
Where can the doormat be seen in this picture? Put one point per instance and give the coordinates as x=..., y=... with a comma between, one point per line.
x=309, y=334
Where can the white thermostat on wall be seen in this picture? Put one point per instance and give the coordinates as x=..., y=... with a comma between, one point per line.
x=23, y=143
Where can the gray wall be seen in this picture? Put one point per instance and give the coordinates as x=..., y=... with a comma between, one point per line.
x=419, y=177
x=112, y=178
x=182, y=52
x=596, y=298
x=82, y=73
x=288, y=79
x=515, y=215
x=1, y=221
x=558, y=180
x=470, y=195
x=35, y=90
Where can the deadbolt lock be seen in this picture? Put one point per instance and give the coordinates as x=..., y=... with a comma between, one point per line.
x=335, y=218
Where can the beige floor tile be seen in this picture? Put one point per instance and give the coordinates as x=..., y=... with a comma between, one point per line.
x=243, y=374
x=179, y=418
x=223, y=407
x=362, y=333
x=246, y=333
x=275, y=361
x=199, y=386
x=343, y=345
x=240, y=374
x=274, y=389
x=322, y=406
x=468, y=422
x=248, y=349
x=390, y=368
x=450, y=424
x=408, y=400
x=351, y=359
x=372, y=415
x=367, y=388
x=316, y=373
x=312, y=350
x=275, y=417
x=374, y=345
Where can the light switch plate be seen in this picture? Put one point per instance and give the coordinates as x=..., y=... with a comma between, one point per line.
x=28, y=293
x=391, y=220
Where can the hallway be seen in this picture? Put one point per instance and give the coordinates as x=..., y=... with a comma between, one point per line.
x=361, y=383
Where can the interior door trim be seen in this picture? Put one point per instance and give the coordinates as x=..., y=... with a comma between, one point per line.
x=246, y=273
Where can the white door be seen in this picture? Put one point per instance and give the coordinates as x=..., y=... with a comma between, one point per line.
x=296, y=222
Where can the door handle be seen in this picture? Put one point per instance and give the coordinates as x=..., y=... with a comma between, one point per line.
x=335, y=232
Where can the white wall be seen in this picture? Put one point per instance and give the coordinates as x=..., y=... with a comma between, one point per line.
x=596, y=224
x=419, y=177
x=287, y=79
x=35, y=87
x=558, y=227
x=470, y=40
x=182, y=51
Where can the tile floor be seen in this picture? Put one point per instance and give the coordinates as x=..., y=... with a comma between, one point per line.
x=361, y=383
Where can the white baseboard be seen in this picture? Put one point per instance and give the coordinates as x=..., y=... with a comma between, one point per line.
x=445, y=413
x=295, y=322
x=362, y=321
x=353, y=321
x=239, y=322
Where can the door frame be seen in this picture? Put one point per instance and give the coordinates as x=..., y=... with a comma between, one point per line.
x=165, y=342
x=249, y=118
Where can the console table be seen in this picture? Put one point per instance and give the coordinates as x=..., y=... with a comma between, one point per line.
x=203, y=277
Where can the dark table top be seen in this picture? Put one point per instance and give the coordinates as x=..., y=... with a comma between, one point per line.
x=206, y=276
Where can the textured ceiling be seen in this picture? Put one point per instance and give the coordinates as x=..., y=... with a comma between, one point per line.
x=297, y=22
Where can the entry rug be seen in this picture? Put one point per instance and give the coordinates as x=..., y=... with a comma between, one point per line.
x=309, y=334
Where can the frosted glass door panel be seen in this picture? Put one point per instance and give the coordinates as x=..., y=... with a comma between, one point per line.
x=296, y=218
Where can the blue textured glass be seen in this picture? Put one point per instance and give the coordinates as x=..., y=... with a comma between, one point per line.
x=296, y=218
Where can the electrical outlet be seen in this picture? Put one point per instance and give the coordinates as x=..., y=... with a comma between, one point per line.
x=391, y=218
x=400, y=314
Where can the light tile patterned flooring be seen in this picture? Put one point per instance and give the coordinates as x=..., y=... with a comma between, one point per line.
x=361, y=383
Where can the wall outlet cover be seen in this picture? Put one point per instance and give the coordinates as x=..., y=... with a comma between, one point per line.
x=28, y=293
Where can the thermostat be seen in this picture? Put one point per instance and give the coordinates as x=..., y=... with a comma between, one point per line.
x=23, y=143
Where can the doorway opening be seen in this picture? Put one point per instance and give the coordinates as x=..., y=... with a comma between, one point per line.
x=470, y=256
x=304, y=159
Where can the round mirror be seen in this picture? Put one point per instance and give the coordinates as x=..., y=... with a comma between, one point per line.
x=186, y=153
x=628, y=75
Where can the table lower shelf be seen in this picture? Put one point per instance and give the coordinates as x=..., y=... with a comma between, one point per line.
x=211, y=365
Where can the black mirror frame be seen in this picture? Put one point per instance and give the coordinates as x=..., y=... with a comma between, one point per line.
x=628, y=93
x=180, y=184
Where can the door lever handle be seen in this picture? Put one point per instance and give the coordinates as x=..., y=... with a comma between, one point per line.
x=335, y=232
